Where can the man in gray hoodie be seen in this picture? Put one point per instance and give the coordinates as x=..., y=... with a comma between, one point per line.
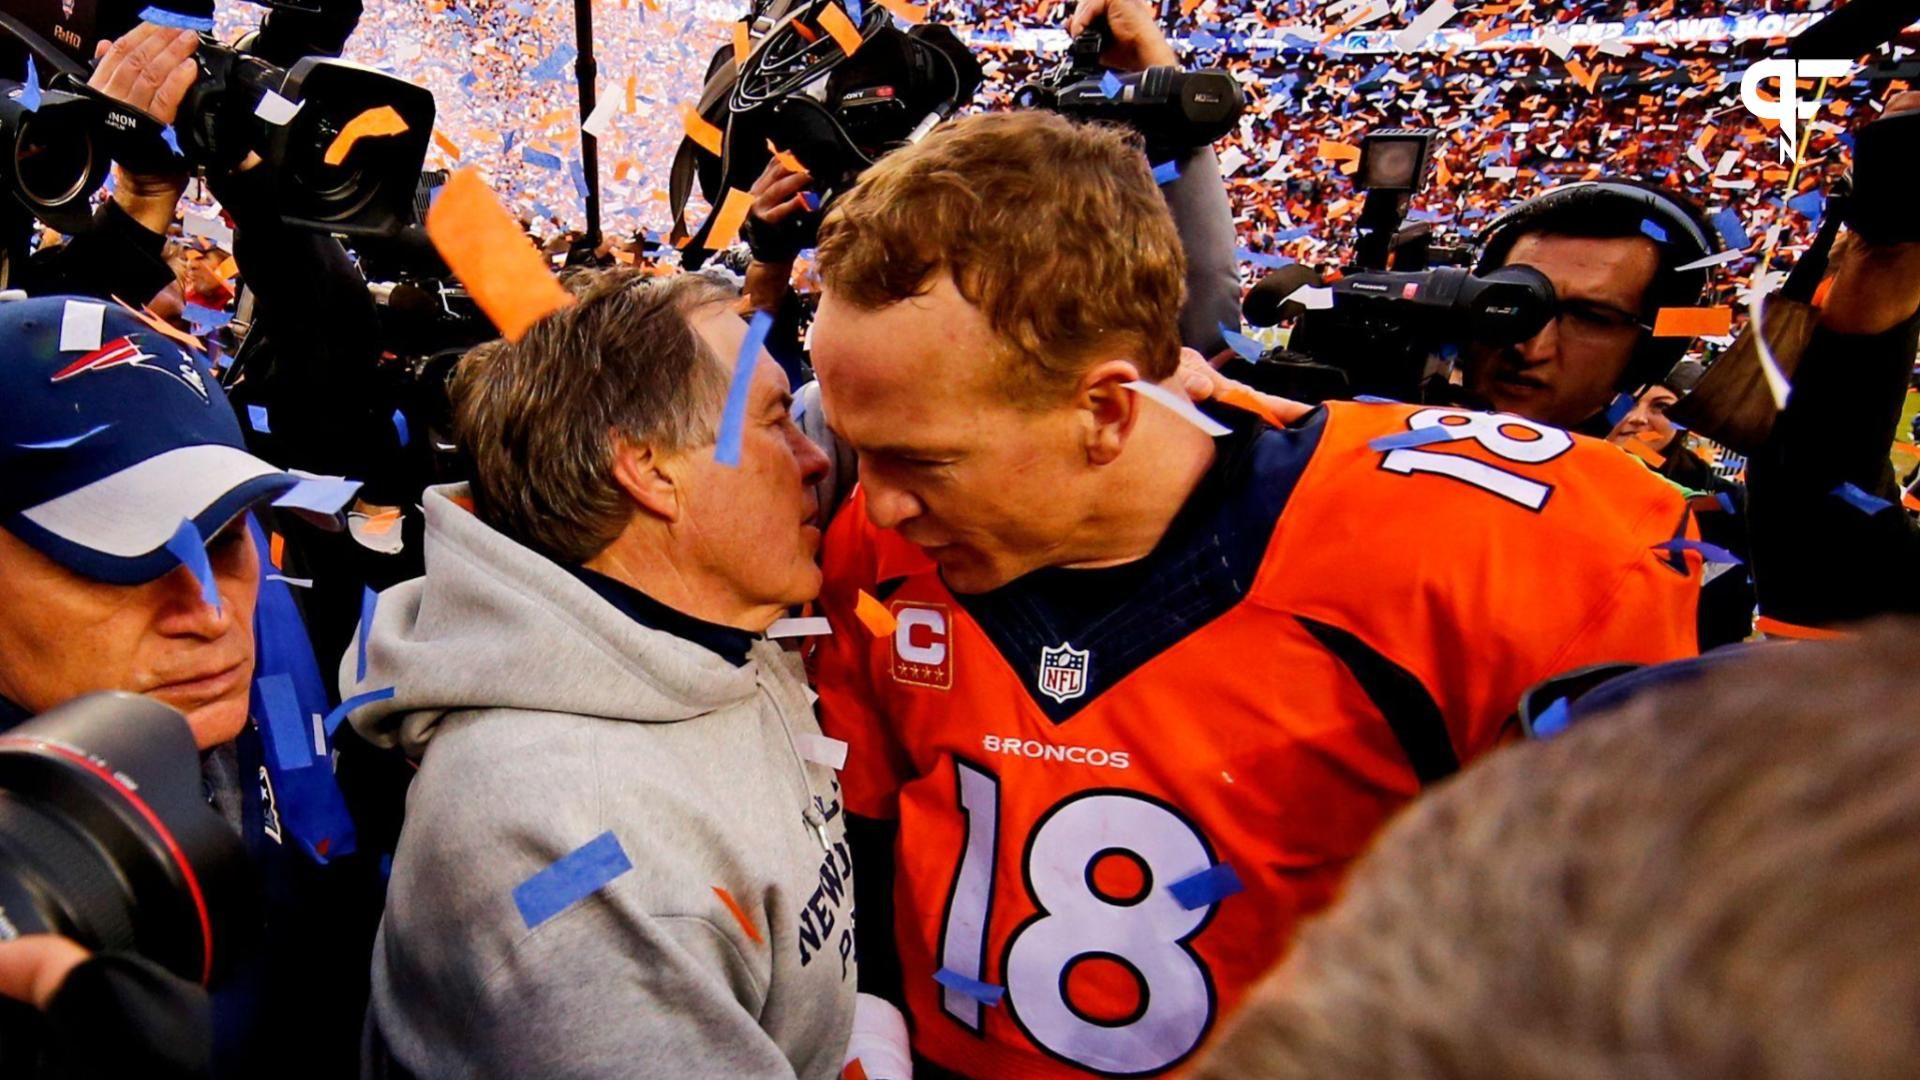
x=624, y=850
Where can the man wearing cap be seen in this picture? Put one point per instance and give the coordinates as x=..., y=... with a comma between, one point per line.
x=126, y=564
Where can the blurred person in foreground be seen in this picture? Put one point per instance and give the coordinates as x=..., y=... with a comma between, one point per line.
x=623, y=853
x=1137, y=690
x=1713, y=879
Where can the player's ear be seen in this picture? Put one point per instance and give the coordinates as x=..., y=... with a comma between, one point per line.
x=1107, y=408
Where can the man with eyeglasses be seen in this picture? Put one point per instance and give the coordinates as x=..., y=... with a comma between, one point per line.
x=1613, y=250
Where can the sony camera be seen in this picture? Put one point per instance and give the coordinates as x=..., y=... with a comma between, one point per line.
x=343, y=144
x=1173, y=110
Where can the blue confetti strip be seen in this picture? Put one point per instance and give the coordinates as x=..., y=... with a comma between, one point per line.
x=257, y=418
x=30, y=90
x=1405, y=440
x=1552, y=720
x=1734, y=233
x=1860, y=499
x=539, y=157
x=1166, y=172
x=1811, y=205
x=286, y=730
x=1375, y=399
x=1619, y=407
x=1209, y=886
x=1242, y=344
x=1262, y=259
x=1710, y=552
x=811, y=198
x=340, y=711
x=187, y=546
x=167, y=136
x=163, y=17
x=62, y=444
x=368, y=600
x=400, y=421
x=1109, y=84
x=733, y=421
x=554, y=67
x=1653, y=230
x=985, y=993
x=1726, y=502
x=856, y=11
x=572, y=878
x=205, y=319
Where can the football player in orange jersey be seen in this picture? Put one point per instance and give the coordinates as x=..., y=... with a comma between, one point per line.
x=1129, y=687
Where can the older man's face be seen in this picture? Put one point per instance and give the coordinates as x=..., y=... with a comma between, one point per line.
x=756, y=525
x=62, y=635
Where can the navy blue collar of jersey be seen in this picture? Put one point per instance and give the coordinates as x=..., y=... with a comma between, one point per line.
x=730, y=643
x=1206, y=562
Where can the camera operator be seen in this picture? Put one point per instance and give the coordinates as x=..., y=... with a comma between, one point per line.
x=149, y=68
x=113, y=1014
x=1197, y=199
x=1592, y=240
x=126, y=564
x=1818, y=559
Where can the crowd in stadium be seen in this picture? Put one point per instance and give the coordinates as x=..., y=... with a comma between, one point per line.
x=859, y=539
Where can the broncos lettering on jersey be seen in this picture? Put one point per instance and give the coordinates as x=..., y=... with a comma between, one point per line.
x=1119, y=789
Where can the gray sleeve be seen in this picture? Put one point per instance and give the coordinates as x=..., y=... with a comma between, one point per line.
x=1198, y=200
x=600, y=991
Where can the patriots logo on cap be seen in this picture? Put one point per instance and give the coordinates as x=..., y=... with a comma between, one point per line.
x=124, y=352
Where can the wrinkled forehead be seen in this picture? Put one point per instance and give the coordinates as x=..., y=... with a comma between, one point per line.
x=903, y=376
x=1616, y=270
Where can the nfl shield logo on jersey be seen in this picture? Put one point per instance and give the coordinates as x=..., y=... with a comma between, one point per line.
x=1063, y=672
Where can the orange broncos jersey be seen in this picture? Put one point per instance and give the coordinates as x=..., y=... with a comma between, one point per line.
x=1118, y=790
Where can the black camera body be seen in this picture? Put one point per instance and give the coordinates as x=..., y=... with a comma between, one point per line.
x=1173, y=110
x=328, y=175
x=1396, y=333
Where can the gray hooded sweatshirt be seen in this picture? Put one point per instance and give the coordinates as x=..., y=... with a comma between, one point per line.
x=542, y=717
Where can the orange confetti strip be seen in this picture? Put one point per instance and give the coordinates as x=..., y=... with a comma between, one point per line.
x=160, y=326
x=486, y=250
x=854, y=1071
x=228, y=269
x=1706, y=135
x=801, y=29
x=1481, y=37
x=878, y=620
x=742, y=44
x=702, y=133
x=652, y=6
x=446, y=145
x=1775, y=628
x=1338, y=151
x=633, y=82
x=911, y=12
x=1645, y=453
x=383, y=522
x=1909, y=500
x=787, y=161
x=835, y=21
x=1581, y=75
x=371, y=124
x=739, y=914
x=728, y=219
x=1693, y=322
x=277, y=550
x=1187, y=6
x=621, y=168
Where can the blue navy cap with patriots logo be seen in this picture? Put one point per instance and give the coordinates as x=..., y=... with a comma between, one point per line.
x=111, y=435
